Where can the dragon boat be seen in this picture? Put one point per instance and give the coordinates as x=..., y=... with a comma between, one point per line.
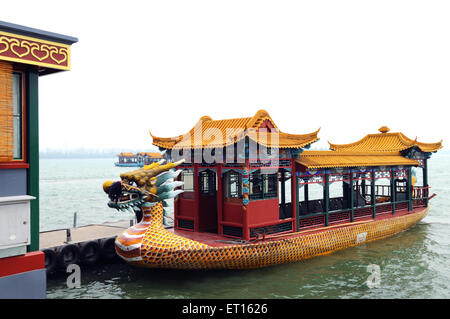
x=246, y=195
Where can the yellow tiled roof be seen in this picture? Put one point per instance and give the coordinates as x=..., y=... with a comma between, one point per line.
x=331, y=159
x=283, y=140
x=126, y=154
x=208, y=133
x=385, y=142
x=150, y=154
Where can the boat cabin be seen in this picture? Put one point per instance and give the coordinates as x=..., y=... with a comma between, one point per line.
x=148, y=157
x=244, y=178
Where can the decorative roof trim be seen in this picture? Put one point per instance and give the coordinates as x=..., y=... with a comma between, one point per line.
x=337, y=159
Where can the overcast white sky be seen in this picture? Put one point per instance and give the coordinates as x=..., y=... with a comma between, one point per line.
x=348, y=67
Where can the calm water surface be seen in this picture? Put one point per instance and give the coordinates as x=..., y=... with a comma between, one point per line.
x=414, y=264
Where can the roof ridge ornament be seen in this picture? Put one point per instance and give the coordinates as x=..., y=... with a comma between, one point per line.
x=205, y=118
x=384, y=129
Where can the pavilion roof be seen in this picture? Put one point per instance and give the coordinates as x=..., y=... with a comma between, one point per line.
x=385, y=142
x=209, y=133
x=150, y=154
x=126, y=154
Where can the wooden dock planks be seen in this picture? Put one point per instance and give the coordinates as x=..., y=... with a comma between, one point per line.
x=55, y=238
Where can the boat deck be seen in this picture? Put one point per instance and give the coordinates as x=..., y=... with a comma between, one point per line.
x=216, y=240
x=55, y=238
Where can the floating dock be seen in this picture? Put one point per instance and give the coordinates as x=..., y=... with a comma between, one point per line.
x=83, y=245
x=56, y=238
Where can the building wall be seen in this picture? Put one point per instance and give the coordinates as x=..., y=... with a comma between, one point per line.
x=23, y=277
x=14, y=182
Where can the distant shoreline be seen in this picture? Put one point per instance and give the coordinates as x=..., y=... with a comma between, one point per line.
x=76, y=157
x=113, y=155
x=86, y=153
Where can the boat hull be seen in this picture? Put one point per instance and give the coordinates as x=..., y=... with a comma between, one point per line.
x=128, y=164
x=149, y=244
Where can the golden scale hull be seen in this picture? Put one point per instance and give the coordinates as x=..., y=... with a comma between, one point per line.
x=149, y=244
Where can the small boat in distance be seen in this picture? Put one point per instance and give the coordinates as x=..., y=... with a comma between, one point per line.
x=128, y=159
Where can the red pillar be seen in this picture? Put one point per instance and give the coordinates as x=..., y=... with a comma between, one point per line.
x=294, y=193
x=219, y=199
x=245, y=211
x=245, y=228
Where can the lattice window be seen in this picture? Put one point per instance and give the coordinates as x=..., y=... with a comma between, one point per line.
x=263, y=185
x=338, y=177
x=255, y=185
x=310, y=179
x=187, y=176
x=402, y=173
x=270, y=185
x=359, y=176
x=233, y=184
x=382, y=174
x=207, y=182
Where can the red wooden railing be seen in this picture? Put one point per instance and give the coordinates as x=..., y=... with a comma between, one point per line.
x=338, y=217
x=420, y=192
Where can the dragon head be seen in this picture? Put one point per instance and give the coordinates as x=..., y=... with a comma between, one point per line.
x=149, y=184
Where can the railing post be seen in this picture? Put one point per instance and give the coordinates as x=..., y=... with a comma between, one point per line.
x=75, y=220
x=352, y=210
x=68, y=236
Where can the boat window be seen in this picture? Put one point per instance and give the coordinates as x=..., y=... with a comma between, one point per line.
x=207, y=182
x=263, y=185
x=187, y=176
x=286, y=177
x=270, y=185
x=255, y=183
x=382, y=186
x=233, y=185
x=338, y=191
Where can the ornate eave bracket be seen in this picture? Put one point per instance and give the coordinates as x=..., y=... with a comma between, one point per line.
x=34, y=51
